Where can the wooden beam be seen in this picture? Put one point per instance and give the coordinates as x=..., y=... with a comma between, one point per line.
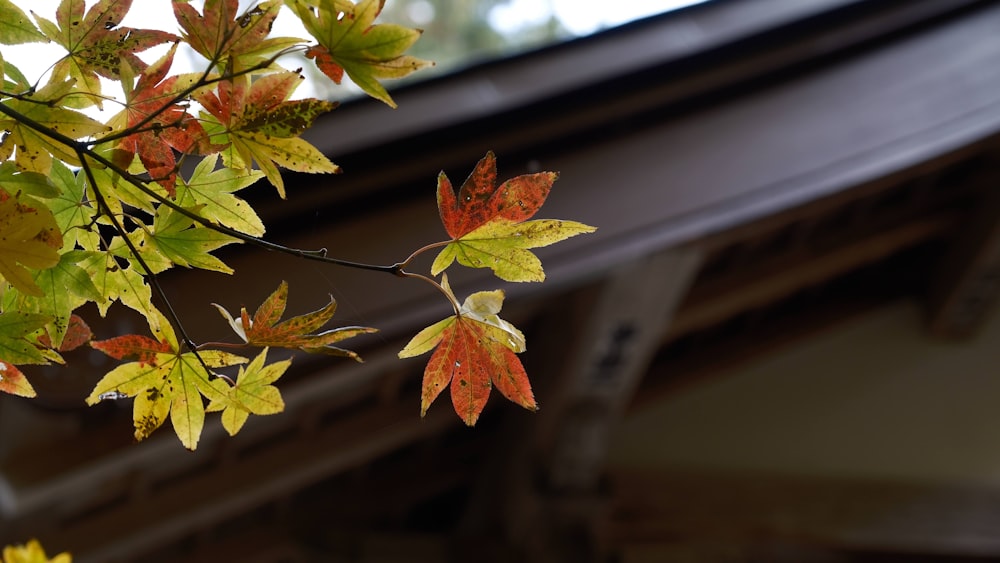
x=754, y=511
x=968, y=279
x=604, y=365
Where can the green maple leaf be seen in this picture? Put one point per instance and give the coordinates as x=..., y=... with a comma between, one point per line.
x=257, y=123
x=487, y=223
x=15, y=27
x=252, y=393
x=65, y=287
x=116, y=283
x=96, y=45
x=233, y=42
x=210, y=193
x=179, y=240
x=73, y=213
x=296, y=332
x=350, y=42
x=15, y=181
x=16, y=343
x=473, y=351
x=35, y=150
x=29, y=238
x=163, y=380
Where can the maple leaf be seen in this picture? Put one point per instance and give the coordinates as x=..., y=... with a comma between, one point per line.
x=35, y=150
x=65, y=287
x=259, y=124
x=488, y=224
x=76, y=334
x=176, y=238
x=29, y=238
x=15, y=27
x=163, y=379
x=210, y=193
x=13, y=381
x=16, y=346
x=350, y=42
x=265, y=330
x=14, y=181
x=473, y=351
x=116, y=283
x=73, y=214
x=165, y=126
x=252, y=393
x=233, y=42
x=32, y=552
x=96, y=45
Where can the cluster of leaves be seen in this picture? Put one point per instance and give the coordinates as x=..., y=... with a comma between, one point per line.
x=92, y=210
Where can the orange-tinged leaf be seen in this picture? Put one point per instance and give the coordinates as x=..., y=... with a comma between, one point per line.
x=161, y=125
x=96, y=45
x=480, y=200
x=473, y=351
x=257, y=123
x=297, y=332
x=488, y=223
x=77, y=334
x=12, y=381
x=132, y=347
x=234, y=42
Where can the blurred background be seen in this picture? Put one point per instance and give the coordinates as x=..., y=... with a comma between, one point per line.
x=781, y=344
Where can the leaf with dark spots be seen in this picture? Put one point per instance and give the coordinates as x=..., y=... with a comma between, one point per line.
x=164, y=381
x=96, y=45
x=488, y=225
x=474, y=351
x=161, y=126
x=257, y=123
x=132, y=347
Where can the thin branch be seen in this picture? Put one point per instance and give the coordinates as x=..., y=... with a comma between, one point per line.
x=206, y=79
x=154, y=282
x=317, y=255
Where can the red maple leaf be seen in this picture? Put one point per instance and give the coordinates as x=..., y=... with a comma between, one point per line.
x=480, y=200
x=163, y=126
x=77, y=334
x=132, y=347
x=234, y=41
x=474, y=350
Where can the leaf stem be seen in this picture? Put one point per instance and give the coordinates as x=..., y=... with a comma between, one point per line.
x=421, y=250
x=451, y=298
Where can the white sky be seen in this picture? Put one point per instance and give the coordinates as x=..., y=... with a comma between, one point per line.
x=580, y=17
